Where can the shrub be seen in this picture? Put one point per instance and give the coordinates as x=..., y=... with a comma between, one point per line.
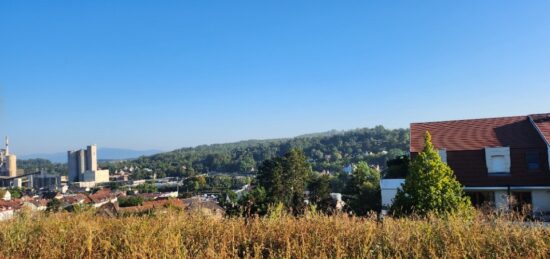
x=430, y=187
x=130, y=201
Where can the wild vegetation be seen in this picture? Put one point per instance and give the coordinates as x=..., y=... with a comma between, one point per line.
x=330, y=151
x=178, y=235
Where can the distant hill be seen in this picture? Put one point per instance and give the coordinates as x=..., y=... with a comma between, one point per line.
x=103, y=154
x=327, y=151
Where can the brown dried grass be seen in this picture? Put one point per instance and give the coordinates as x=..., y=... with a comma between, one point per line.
x=179, y=235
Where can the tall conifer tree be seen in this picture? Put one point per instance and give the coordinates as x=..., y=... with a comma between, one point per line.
x=430, y=186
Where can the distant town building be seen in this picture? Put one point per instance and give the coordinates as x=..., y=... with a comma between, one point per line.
x=83, y=169
x=8, y=162
x=10, y=176
x=45, y=180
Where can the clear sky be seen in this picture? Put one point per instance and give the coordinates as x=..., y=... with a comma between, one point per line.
x=169, y=74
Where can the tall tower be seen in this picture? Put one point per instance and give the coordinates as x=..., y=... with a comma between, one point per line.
x=80, y=162
x=72, y=162
x=91, y=158
x=12, y=165
x=7, y=146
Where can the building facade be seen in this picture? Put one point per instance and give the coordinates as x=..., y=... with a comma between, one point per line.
x=83, y=167
x=504, y=161
x=44, y=180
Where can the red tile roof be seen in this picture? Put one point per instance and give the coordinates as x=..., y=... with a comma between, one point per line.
x=77, y=198
x=543, y=124
x=102, y=195
x=13, y=204
x=475, y=134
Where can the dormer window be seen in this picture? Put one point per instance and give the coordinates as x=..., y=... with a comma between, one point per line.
x=533, y=160
x=498, y=160
x=498, y=164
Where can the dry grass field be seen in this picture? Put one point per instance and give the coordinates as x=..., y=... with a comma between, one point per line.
x=178, y=235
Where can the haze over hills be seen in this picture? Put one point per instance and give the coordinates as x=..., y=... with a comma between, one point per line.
x=326, y=151
x=103, y=154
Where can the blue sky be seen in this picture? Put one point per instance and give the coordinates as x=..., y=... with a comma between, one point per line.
x=169, y=74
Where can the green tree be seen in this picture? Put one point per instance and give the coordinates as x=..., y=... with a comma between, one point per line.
x=16, y=192
x=130, y=201
x=284, y=180
x=398, y=168
x=147, y=188
x=319, y=195
x=255, y=202
x=228, y=200
x=246, y=163
x=364, y=190
x=430, y=187
x=54, y=205
x=201, y=180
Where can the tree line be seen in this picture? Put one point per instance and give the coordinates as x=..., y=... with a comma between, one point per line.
x=326, y=152
x=289, y=183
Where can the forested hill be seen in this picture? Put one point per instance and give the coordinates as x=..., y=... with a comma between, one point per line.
x=330, y=151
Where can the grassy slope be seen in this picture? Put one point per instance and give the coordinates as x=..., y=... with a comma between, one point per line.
x=177, y=235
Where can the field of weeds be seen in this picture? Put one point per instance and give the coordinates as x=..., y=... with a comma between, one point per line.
x=179, y=235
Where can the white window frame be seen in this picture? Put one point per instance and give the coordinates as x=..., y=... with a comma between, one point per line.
x=491, y=152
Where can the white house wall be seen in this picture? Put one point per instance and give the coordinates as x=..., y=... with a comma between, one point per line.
x=389, y=189
x=541, y=200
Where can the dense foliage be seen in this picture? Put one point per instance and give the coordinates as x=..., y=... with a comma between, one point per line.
x=319, y=193
x=397, y=168
x=130, y=201
x=287, y=183
x=363, y=190
x=16, y=192
x=330, y=151
x=281, y=180
x=430, y=186
x=147, y=188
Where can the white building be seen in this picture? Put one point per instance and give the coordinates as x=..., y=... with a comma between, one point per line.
x=83, y=169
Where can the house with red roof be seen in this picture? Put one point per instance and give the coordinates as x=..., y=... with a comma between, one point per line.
x=103, y=196
x=501, y=161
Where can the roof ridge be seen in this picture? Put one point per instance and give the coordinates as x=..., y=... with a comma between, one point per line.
x=476, y=119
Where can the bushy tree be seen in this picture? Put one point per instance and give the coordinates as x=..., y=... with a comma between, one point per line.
x=284, y=180
x=363, y=190
x=54, y=205
x=16, y=192
x=319, y=193
x=398, y=168
x=255, y=202
x=430, y=187
x=147, y=188
x=130, y=201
